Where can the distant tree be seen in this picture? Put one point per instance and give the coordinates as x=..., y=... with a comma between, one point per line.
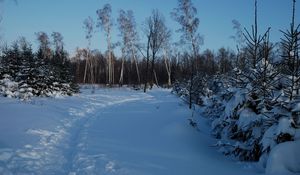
x=80, y=56
x=127, y=27
x=159, y=34
x=224, y=60
x=148, y=34
x=57, y=41
x=167, y=60
x=186, y=15
x=239, y=40
x=59, y=55
x=89, y=29
x=211, y=65
x=106, y=23
x=44, y=43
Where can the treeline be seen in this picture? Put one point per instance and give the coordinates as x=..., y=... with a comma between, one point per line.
x=157, y=60
x=178, y=64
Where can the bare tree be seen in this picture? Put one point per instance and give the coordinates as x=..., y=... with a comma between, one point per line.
x=58, y=42
x=44, y=42
x=159, y=34
x=238, y=38
x=186, y=15
x=224, y=60
x=80, y=54
x=147, y=57
x=106, y=23
x=127, y=27
x=167, y=54
x=89, y=29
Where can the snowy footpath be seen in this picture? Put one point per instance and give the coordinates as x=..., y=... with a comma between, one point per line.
x=112, y=131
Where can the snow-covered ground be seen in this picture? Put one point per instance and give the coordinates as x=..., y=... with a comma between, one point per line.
x=112, y=131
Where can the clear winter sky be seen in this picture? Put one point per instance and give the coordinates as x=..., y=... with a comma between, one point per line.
x=66, y=16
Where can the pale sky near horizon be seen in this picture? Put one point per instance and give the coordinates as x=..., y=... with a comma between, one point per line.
x=66, y=16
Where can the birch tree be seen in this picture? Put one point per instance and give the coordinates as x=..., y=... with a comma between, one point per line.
x=167, y=60
x=44, y=42
x=105, y=22
x=239, y=40
x=89, y=29
x=57, y=42
x=127, y=27
x=186, y=15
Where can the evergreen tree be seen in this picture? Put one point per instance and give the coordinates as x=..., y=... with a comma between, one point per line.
x=24, y=74
x=290, y=54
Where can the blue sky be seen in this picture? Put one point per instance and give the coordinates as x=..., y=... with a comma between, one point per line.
x=66, y=17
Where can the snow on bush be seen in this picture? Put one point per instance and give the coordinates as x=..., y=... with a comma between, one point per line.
x=8, y=87
x=246, y=130
x=237, y=98
x=284, y=159
x=12, y=89
x=248, y=122
x=24, y=74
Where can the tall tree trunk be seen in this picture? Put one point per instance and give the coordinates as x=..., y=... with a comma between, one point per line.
x=137, y=70
x=92, y=70
x=78, y=78
x=86, y=65
x=152, y=70
x=110, y=73
x=146, y=77
x=122, y=73
x=191, y=85
x=147, y=64
x=113, y=70
x=155, y=77
x=168, y=68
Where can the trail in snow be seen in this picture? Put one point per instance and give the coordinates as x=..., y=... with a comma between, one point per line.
x=113, y=131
